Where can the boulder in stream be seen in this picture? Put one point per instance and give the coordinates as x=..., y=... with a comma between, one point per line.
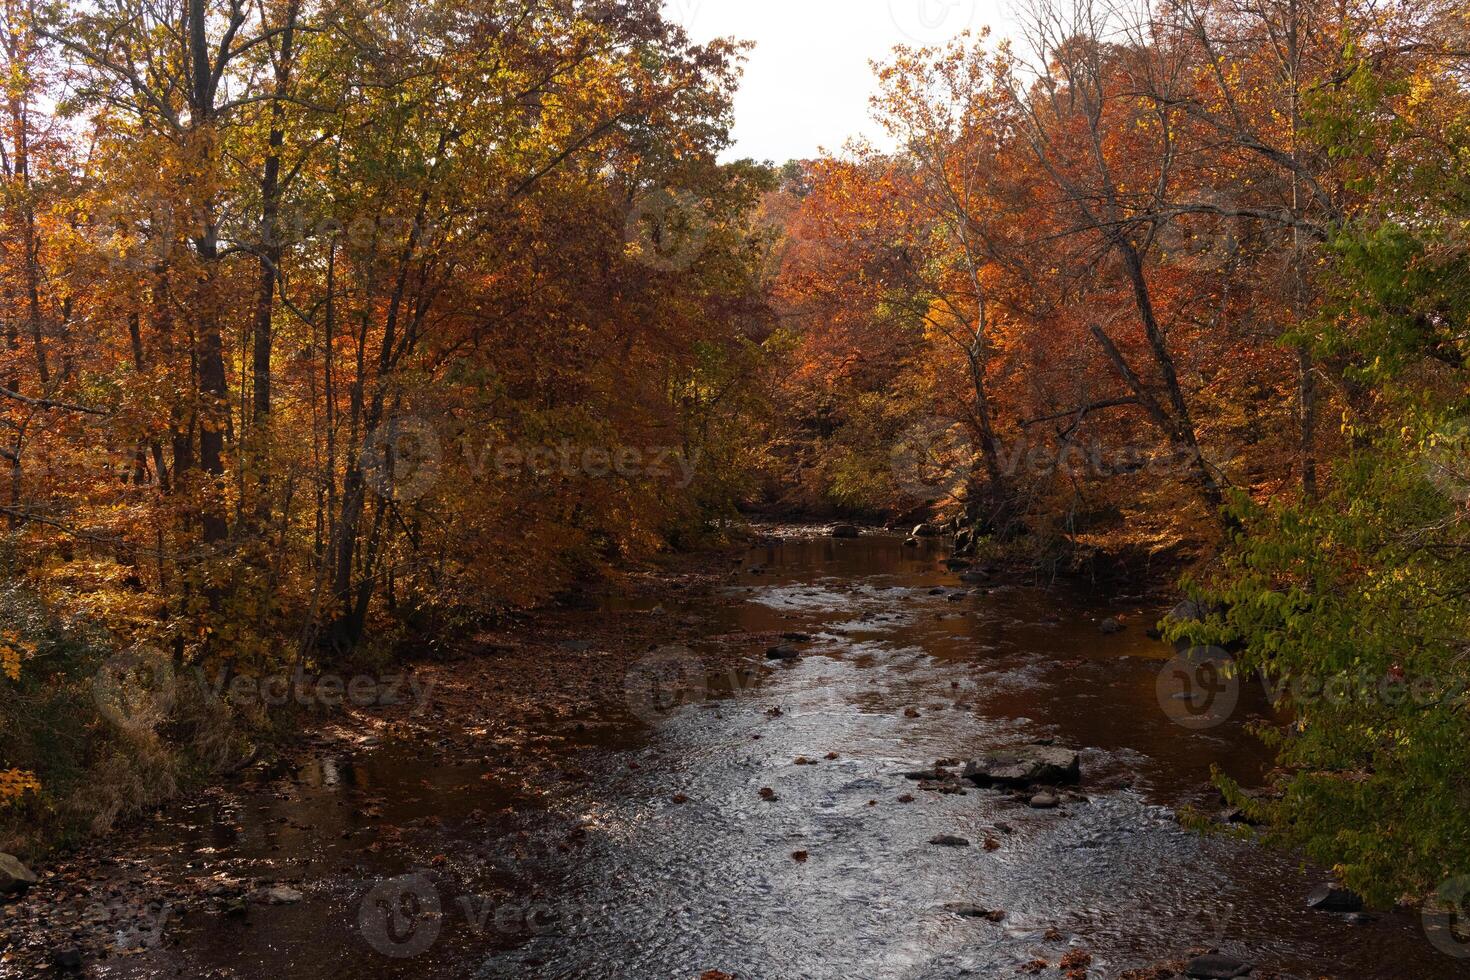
x=1334, y=898
x=1216, y=966
x=920, y=775
x=783, y=652
x=845, y=531
x=949, y=840
x=1190, y=611
x=966, y=910
x=278, y=895
x=14, y=876
x=1025, y=765
x=1111, y=625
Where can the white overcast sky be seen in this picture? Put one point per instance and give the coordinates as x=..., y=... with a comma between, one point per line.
x=808, y=81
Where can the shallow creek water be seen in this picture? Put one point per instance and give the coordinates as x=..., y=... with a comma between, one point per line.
x=680, y=866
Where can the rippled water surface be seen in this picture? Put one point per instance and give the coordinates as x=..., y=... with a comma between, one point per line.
x=661, y=859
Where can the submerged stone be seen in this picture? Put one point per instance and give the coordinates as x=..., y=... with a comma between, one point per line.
x=1216, y=966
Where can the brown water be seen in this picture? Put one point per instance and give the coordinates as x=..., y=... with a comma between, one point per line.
x=491, y=880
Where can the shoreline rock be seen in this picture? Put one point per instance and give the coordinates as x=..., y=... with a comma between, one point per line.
x=15, y=878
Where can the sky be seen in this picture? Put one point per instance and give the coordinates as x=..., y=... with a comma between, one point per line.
x=807, y=83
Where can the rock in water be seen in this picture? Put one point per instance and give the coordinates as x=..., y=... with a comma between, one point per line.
x=926, y=531
x=1111, y=625
x=1044, y=801
x=845, y=531
x=783, y=652
x=1024, y=765
x=1215, y=966
x=948, y=840
x=967, y=911
x=1190, y=611
x=926, y=775
x=1332, y=898
x=280, y=895
x=14, y=876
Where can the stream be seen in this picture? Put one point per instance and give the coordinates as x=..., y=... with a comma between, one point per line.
x=660, y=858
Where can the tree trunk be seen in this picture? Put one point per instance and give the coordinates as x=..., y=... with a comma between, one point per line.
x=270, y=261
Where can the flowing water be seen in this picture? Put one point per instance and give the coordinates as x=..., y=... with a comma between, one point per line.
x=659, y=857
